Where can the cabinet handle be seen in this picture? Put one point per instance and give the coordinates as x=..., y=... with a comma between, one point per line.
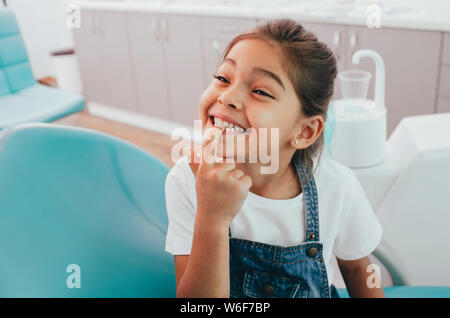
x=228, y=29
x=215, y=45
x=165, y=28
x=337, y=38
x=94, y=21
x=353, y=40
x=101, y=25
x=155, y=29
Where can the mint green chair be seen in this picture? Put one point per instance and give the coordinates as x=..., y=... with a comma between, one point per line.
x=400, y=289
x=76, y=196
x=21, y=98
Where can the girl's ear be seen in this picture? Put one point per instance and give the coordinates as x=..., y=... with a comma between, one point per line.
x=309, y=132
x=314, y=127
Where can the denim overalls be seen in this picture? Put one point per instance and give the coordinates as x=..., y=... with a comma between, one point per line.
x=264, y=270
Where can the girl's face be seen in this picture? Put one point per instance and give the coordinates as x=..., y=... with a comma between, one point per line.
x=252, y=89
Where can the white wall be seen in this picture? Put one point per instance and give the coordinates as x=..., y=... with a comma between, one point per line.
x=42, y=23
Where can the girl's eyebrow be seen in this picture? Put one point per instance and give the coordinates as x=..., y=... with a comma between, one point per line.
x=261, y=71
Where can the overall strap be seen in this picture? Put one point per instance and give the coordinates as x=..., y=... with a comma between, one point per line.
x=310, y=202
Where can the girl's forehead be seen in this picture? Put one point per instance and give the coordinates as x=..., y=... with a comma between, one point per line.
x=256, y=52
x=258, y=57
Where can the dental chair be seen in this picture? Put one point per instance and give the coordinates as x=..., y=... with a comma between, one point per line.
x=82, y=214
x=21, y=98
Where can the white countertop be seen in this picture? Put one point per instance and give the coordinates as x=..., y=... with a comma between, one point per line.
x=428, y=15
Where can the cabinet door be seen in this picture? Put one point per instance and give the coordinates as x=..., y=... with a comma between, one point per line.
x=86, y=41
x=446, y=49
x=334, y=36
x=443, y=105
x=114, y=47
x=184, y=66
x=411, y=60
x=148, y=64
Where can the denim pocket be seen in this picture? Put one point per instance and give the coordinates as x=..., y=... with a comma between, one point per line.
x=263, y=284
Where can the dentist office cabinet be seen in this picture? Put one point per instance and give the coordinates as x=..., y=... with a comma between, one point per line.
x=120, y=74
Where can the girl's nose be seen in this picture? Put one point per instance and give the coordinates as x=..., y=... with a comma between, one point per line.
x=231, y=98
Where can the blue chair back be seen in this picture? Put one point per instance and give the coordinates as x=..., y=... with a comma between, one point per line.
x=82, y=214
x=15, y=70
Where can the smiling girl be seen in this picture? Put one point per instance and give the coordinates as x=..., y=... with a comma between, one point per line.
x=236, y=232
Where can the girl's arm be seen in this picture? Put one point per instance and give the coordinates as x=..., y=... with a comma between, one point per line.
x=205, y=273
x=358, y=279
x=221, y=190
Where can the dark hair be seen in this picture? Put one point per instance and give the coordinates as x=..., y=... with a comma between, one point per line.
x=311, y=67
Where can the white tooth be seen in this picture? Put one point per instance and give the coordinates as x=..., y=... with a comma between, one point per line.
x=225, y=123
x=218, y=122
x=241, y=130
x=230, y=125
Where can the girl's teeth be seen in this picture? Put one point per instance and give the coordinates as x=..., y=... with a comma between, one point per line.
x=228, y=126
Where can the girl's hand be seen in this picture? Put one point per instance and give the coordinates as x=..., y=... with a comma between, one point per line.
x=221, y=187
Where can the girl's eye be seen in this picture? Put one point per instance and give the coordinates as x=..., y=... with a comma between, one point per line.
x=263, y=93
x=221, y=78
x=218, y=77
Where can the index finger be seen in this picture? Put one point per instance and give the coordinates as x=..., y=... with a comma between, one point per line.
x=211, y=144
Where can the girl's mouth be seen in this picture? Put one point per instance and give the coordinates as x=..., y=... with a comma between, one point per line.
x=229, y=127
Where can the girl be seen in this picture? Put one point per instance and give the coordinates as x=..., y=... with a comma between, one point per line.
x=236, y=232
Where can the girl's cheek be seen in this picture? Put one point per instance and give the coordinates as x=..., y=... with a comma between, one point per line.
x=207, y=99
x=202, y=103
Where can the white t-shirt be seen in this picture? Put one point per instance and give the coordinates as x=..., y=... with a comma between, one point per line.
x=348, y=227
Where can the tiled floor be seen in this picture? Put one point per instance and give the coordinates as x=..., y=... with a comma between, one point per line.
x=157, y=144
